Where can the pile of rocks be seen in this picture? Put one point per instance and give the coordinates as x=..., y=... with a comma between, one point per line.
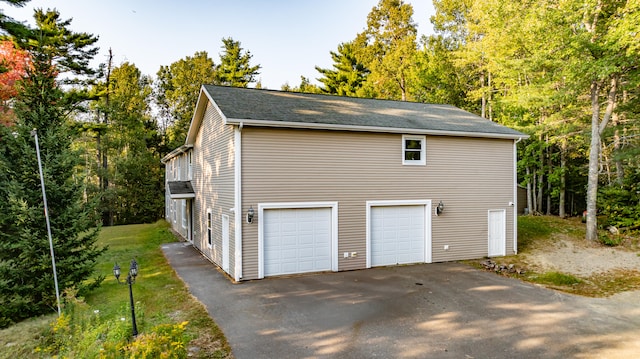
x=502, y=268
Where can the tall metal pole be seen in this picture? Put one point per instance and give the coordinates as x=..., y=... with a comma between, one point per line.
x=134, y=329
x=34, y=133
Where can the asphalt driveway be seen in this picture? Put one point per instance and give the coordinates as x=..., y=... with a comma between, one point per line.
x=444, y=310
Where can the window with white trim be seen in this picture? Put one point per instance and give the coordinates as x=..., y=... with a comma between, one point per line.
x=184, y=213
x=414, y=150
x=190, y=169
x=179, y=171
x=175, y=211
x=209, y=228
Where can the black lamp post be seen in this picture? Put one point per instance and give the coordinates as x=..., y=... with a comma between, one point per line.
x=131, y=278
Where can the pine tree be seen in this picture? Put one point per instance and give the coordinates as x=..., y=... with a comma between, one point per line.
x=27, y=286
x=347, y=74
x=235, y=68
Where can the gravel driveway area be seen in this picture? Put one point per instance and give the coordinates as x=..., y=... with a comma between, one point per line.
x=444, y=310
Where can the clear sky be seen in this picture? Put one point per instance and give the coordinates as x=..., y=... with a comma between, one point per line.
x=288, y=38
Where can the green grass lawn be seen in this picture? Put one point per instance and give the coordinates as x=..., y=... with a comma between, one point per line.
x=161, y=297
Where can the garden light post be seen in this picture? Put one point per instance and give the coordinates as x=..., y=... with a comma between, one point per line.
x=131, y=278
x=34, y=133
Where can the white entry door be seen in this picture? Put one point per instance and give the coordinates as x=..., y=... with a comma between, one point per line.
x=497, y=233
x=225, y=243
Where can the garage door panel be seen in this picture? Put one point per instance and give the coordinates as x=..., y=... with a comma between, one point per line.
x=397, y=234
x=297, y=240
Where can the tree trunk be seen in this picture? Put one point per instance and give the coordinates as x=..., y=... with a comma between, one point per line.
x=549, y=169
x=490, y=97
x=563, y=179
x=534, y=192
x=616, y=148
x=107, y=214
x=597, y=127
x=540, y=184
x=540, y=189
x=484, y=97
x=529, y=195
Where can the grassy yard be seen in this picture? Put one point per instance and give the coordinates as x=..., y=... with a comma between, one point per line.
x=162, y=301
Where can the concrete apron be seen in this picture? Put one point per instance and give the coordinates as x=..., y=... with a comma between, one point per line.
x=443, y=310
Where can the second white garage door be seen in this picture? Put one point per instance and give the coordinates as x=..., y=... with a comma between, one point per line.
x=296, y=240
x=397, y=235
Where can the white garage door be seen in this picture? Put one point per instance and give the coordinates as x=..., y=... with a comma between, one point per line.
x=397, y=235
x=297, y=240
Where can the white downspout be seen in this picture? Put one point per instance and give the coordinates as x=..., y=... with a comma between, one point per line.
x=238, y=201
x=515, y=195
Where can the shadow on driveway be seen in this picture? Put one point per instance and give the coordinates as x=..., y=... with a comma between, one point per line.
x=443, y=310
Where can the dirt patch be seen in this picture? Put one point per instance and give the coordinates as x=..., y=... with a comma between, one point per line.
x=581, y=258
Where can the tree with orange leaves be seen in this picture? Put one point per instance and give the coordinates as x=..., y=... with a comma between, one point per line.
x=13, y=67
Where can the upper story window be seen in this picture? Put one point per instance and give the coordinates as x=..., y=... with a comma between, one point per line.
x=189, y=166
x=179, y=171
x=414, y=150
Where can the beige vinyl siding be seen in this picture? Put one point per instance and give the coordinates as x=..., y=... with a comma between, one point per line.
x=174, y=206
x=470, y=175
x=213, y=182
x=167, y=199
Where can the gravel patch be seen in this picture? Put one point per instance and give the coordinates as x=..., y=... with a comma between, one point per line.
x=583, y=260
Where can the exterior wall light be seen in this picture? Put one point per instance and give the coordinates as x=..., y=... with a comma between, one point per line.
x=439, y=208
x=250, y=214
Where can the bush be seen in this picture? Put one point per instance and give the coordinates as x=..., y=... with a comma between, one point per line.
x=620, y=205
x=556, y=278
x=81, y=332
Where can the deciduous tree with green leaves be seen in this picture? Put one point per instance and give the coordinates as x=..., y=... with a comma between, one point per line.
x=387, y=48
x=132, y=142
x=176, y=92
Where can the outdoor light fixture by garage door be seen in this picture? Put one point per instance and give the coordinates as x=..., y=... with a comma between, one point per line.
x=131, y=278
x=250, y=214
x=439, y=208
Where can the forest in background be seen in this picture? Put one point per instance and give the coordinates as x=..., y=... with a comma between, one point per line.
x=564, y=72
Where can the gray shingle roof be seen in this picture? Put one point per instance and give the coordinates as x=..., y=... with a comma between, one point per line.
x=318, y=111
x=181, y=189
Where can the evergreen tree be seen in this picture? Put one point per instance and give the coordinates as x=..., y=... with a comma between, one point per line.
x=27, y=286
x=11, y=26
x=347, y=75
x=235, y=68
x=305, y=87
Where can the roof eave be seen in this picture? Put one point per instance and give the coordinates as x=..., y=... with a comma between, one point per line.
x=337, y=127
x=176, y=152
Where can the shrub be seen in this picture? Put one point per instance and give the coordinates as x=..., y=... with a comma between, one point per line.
x=81, y=332
x=620, y=205
x=556, y=278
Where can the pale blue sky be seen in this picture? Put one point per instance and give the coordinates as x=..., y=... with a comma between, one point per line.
x=287, y=38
